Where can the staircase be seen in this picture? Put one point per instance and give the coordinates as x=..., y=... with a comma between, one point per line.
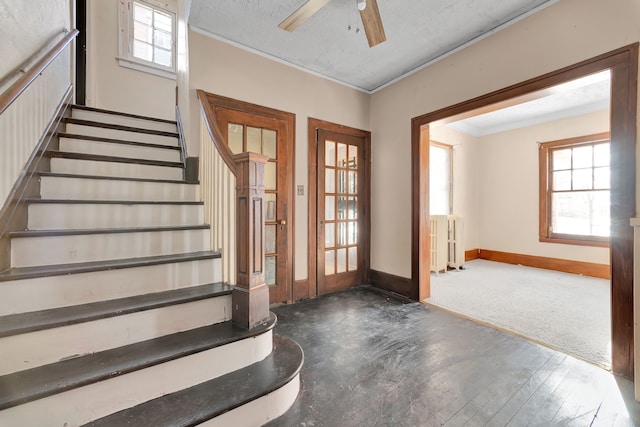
x=113, y=312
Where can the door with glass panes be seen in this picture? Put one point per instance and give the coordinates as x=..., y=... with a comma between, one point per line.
x=340, y=211
x=249, y=132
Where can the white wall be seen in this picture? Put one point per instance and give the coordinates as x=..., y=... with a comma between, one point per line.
x=225, y=70
x=113, y=87
x=560, y=35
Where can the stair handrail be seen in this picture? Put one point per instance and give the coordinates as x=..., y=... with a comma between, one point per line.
x=215, y=134
x=19, y=86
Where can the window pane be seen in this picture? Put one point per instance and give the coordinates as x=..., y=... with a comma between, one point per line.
x=163, y=21
x=342, y=155
x=583, y=157
x=583, y=179
x=342, y=260
x=342, y=207
x=352, y=208
x=270, y=176
x=142, y=14
x=353, y=156
x=601, y=154
x=269, y=143
x=584, y=213
x=270, y=270
x=330, y=153
x=270, y=238
x=562, y=159
x=352, y=237
x=329, y=208
x=162, y=39
x=142, y=32
x=353, y=258
x=254, y=140
x=329, y=262
x=601, y=177
x=439, y=180
x=342, y=181
x=353, y=182
x=142, y=50
x=234, y=138
x=341, y=234
x=270, y=208
x=329, y=235
x=162, y=57
x=562, y=181
x=329, y=180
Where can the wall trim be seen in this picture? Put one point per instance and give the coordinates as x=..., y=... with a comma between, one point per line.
x=392, y=283
x=601, y=271
x=471, y=254
x=300, y=289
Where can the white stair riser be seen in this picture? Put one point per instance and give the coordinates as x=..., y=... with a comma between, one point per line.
x=116, y=119
x=39, y=348
x=68, y=216
x=121, y=134
x=260, y=411
x=104, y=189
x=103, y=148
x=85, y=404
x=83, y=288
x=49, y=250
x=122, y=170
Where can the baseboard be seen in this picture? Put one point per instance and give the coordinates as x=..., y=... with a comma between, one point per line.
x=13, y=215
x=392, y=283
x=471, y=254
x=601, y=271
x=300, y=289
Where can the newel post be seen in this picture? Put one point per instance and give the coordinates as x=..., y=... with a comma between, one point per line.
x=250, y=297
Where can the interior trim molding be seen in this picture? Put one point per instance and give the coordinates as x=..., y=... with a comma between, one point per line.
x=300, y=289
x=471, y=254
x=591, y=269
x=392, y=283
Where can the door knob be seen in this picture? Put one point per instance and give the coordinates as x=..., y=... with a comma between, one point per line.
x=283, y=222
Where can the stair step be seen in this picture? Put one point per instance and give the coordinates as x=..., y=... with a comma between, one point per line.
x=107, y=116
x=117, y=148
x=88, y=164
x=39, y=248
x=35, y=339
x=36, y=383
x=223, y=397
x=127, y=133
x=73, y=284
x=46, y=214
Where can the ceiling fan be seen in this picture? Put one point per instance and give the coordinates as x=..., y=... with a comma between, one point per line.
x=368, y=12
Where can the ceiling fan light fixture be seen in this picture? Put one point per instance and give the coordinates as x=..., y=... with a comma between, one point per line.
x=362, y=4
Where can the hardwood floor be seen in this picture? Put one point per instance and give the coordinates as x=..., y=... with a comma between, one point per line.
x=372, y=360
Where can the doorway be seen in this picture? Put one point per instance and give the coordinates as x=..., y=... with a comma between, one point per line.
x=623, y=64
x=249, y=127
x=339, y=194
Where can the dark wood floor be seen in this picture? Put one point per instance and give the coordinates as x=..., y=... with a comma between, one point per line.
x=371, y=360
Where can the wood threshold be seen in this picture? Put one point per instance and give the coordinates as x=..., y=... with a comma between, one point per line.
x=119, y=113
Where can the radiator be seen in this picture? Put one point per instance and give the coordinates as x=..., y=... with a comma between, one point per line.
x=447, y=247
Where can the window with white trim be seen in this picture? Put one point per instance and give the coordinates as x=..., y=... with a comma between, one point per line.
x=147, y=37
x=440, y=179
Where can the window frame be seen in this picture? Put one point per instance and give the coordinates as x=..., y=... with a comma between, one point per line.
x=450, y=148
x=126, y=33
x=545, y=233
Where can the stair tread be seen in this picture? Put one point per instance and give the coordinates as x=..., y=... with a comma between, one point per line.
x=110, y=202
x=42, y=381
x=118, y=113
x=113, y=159
x=117, y=141
x=114, y=178
x=14, y=324
x=83, y=122
x=212, y=398
x=49, y=233
x=86, y=267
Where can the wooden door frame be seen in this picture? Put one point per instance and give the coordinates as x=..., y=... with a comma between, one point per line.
x=623, y=64
x=313, y=126
x=289, y=119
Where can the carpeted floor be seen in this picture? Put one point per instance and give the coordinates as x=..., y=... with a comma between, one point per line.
x=569, y=312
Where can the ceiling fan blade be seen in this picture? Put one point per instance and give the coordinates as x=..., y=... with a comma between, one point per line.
x=301, y=15
x=372, y=23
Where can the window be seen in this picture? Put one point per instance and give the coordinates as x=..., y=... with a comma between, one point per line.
x=440, y=179
x=575, y=190
x=147, y=37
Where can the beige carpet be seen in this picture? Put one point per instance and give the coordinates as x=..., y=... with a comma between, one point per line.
x=568, y=312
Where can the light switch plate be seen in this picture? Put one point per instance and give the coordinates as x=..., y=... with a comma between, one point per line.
x=300, y=190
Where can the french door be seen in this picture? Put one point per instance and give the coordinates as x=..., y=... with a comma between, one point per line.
x=341, y=220
x=265, y=135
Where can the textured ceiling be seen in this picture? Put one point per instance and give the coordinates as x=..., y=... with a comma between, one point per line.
x=418, y=32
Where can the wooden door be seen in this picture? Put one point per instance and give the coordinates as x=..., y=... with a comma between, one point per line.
x=341, y=198
x=259, y=134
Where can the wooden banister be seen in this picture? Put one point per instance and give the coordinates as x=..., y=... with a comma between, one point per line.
x=214, y=132
x=15, y=90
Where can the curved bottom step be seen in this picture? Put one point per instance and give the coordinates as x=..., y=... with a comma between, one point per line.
x=251, y=396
